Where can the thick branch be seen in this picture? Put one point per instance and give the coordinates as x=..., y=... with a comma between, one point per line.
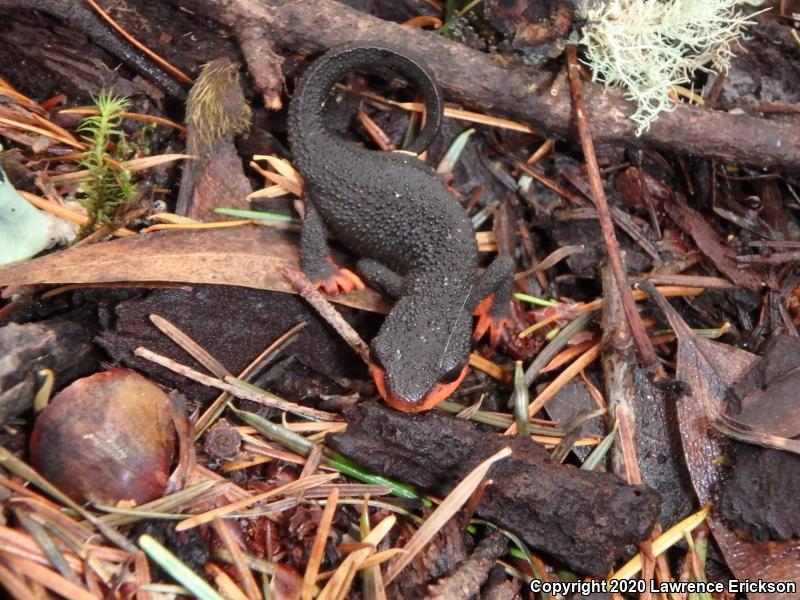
x=478, y=80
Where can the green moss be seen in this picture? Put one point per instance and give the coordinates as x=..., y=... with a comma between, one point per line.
x=108, y=185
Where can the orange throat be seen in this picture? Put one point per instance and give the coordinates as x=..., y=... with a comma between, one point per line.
x=440, y=392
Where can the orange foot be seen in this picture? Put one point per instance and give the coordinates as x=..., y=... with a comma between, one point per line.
x=501, y=327
x=339, y=279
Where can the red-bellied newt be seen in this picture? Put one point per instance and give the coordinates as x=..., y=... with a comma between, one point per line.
x=416, y=243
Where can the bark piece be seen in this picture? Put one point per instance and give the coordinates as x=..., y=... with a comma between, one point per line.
x=466, y=582
x=62, y=346
x=584, y=519
x=761, y=496
x=79, y=16
x=233, y=323
x=447, y=550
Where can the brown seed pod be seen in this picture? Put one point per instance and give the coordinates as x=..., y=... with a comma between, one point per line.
x=106, y=438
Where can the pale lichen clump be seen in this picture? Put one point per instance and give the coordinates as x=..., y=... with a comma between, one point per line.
x=648, y=46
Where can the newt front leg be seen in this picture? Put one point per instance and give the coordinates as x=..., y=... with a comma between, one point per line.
x=492, y=301
x=316, y=260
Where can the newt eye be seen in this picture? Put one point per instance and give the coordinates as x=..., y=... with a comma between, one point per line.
x=373, y=358
x=451, y=375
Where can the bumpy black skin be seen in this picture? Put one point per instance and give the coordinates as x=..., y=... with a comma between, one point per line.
x=416, y=241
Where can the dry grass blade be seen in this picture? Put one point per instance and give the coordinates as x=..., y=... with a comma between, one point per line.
x=190, y=226
x=42, y=537
x=449, y=506
x=18, y=467
x=554, y=386
x=44, y=132
x=141, y=573
x=224, y=583
x=19, y=98
x=88, y=111
x=374, y=131
x=552, y=259
x=57, y=129
x=216, y=407
x=273, y=191
x=735, y=430
x=666, y=540
x=134, y=166
x=228, y=540
x=14, y=584
x=55, y=209
x=172, y=218
x=668, y=291
x=283, y=182
x=18, y=544
x=381, y=557
x=293, y=486
x=565, y=356
x=492, y=369
x=455, y=113
x=246, y=394
x=318, y=547
x=339, y=585
x=187, y=343
x=372, y=587
x=47, y=578
x=282, y=166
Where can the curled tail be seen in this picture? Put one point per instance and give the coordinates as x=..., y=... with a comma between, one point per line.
x=306, y=110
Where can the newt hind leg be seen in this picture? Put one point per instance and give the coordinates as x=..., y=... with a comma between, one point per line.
x=492, y=301
x=316, y=261
x=381, y=277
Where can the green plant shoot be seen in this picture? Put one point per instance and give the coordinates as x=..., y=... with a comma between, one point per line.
x=108, y=185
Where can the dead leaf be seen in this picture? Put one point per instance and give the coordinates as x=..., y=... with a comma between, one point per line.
x=709, y=369
x=694, y=224
x=768, y=392
x=249, y=256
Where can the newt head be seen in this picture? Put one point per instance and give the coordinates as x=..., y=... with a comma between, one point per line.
x=419, y=357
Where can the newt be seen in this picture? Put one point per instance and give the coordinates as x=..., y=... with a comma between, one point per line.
x=415, y=241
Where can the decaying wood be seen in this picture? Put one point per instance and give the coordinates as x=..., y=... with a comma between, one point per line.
x=529, y=494
x=479, y=80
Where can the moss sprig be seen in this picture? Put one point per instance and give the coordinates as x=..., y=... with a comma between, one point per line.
x=109, y=184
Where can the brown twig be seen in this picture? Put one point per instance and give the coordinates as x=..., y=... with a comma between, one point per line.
x=306, y=289
x=604, y=215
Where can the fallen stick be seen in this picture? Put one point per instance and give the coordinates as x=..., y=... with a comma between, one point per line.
x=582, y=518
x=478, y=80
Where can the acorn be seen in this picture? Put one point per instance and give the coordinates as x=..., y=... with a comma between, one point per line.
x=107, y=438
